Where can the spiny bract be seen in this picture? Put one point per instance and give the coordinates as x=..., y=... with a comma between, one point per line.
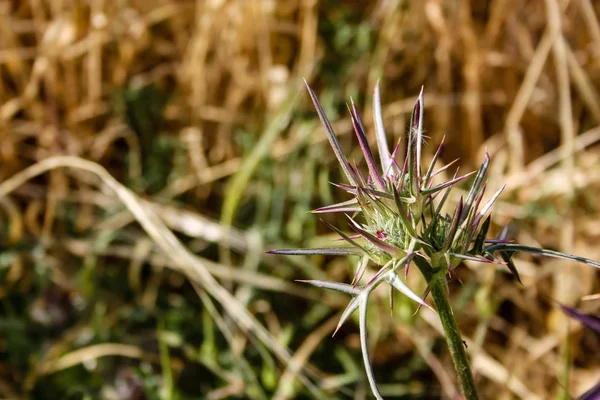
x=397, y=216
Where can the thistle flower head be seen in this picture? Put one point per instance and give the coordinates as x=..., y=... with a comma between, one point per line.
x=396, y=213
x=397, y=217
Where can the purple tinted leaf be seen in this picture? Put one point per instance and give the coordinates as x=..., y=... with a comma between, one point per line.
x=406, y=171
x=345, y=206
x=381, y=271
x=377, y=193
x=360, y=180
x=364, y=145
x=346, y=237
x=395, y=154
x=333, y=251
x=445, y=167
x=335, y=145
x=347, y=188
x=590, y=321
x=593, y=323
x=444, y=185
x=393, y=163
x=354, y=113
x=396, y=148
x=409, y=257
x=592, y=394
x=356, y=189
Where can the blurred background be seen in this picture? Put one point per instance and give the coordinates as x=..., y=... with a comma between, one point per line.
x=155, y=284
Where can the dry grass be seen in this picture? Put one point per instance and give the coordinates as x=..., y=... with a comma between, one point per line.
x=235, y=159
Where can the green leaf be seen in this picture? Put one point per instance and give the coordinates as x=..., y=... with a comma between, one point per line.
x=340, y=287
x=478, y=247
x=327, y=251
x=475, y=187
x=402, y=212
x=365, y=346
x=432, y=164
x=395, y=280
x=350, y=308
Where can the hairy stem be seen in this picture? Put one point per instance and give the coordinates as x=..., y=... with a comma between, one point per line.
x=454, y=340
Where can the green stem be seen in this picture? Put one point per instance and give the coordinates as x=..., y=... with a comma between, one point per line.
x=454, y=340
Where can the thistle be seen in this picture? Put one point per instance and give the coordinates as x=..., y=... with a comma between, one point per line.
x=397, y=218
